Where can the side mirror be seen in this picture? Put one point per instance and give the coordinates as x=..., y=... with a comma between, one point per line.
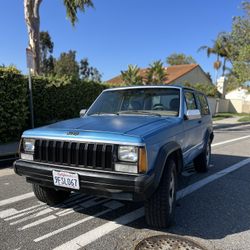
x=83, y=112
x=193, y=114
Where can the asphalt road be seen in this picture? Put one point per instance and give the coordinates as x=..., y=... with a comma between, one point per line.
x=213, y=208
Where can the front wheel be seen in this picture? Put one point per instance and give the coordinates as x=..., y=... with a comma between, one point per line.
x=50, y=196
x=160, y=207
x=202, y=161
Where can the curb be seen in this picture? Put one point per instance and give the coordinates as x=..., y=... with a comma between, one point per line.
x=230, y=125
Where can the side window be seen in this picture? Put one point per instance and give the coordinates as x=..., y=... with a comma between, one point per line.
x=204, y=108
x=190, y=100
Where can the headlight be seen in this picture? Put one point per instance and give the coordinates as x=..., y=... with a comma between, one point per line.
x=128, y=153
x=29, y=145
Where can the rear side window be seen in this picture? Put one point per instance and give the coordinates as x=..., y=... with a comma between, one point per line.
x=190, y=100
x=204, y=108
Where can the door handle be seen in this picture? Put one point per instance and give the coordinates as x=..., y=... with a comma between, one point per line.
x=199, y=121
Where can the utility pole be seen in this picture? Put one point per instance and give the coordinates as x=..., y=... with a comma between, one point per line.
x=30, y=66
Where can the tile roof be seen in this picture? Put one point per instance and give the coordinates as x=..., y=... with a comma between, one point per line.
x=173, y=73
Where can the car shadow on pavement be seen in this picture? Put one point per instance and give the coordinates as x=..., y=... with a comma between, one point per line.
x=219, y=209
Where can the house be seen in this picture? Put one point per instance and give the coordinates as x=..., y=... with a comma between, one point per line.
x=176, y=74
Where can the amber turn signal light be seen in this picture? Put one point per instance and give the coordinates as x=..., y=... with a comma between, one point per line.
x=143, y=164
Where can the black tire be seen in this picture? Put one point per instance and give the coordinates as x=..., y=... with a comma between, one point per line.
x=202, y=161
x=160, y=207
x=50, y=195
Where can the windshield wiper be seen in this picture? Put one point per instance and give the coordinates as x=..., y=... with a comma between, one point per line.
x=139, y=112
x=104, y=113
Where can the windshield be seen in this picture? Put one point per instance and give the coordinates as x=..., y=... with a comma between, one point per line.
x=138, y=101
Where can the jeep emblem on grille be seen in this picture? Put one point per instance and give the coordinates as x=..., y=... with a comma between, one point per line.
x=73, y=133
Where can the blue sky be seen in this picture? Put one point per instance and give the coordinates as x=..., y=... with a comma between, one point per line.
x=120, y=32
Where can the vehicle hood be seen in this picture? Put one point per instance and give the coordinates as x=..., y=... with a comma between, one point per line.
x=103, y=127
x=114, y=124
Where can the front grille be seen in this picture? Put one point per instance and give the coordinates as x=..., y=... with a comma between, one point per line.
x=88, y=155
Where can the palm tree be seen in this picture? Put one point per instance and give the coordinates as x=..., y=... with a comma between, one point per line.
x=221, y=48
x=156, y=74
x=132, y=75
x=32, y=19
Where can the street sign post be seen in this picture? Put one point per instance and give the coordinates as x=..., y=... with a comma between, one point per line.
x=30, y=66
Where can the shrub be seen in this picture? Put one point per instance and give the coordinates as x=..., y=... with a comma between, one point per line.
x=54, y=99
x=13, y=103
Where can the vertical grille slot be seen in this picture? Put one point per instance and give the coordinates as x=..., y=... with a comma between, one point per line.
x=108, y=157
x=81, y=154
x=73, y=153
x=57, y=151
x=65, y=153
x=37, y=154
x=43, y=151
x=50, y=151
x=99, y=156
x=90, y=155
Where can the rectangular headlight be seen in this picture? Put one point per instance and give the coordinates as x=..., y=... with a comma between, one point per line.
x=29, y=145
x=128, y=153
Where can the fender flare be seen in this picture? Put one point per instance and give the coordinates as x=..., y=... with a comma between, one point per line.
x=162, y=158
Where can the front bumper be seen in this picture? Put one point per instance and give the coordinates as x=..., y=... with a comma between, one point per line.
x=94, y=182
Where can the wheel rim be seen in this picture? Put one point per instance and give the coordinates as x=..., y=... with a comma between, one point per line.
x=171, y=192
x=208, y=153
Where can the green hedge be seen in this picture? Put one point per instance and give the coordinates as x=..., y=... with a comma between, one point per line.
x=54, y=99
x=60, y=101
x=13, y=105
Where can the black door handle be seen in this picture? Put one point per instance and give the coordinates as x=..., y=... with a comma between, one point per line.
x=199, y=121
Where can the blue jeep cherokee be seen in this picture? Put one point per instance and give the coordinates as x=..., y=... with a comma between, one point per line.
x=130, y=144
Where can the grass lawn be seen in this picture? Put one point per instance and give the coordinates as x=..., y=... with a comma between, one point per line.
x=242, y=117
x=221, y=116
x=245, y=118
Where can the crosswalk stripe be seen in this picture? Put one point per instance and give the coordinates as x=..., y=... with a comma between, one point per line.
x=43, y=212
x=38, y=222
x=98, y=232
x=231, y=140
x=16, y=198
x=112, y=206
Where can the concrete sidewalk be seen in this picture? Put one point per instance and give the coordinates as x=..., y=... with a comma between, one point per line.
x=228, y=122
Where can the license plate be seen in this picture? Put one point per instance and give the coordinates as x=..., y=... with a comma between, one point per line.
x=65, y=179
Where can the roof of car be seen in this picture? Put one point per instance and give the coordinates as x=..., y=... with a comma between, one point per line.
x=150, y=87
x=145, y=87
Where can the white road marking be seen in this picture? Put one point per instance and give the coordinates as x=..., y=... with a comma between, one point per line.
x=232, y=140
x=86, y=204
x=112, y=205
x=106, y=228
x=16, y=198
x=7, y=213
x=38, y=222
x=98, y=232
x=76, y=208
x=6, y=171
x=43, y=212
x=199, y=184
x=12, y=211
x=38, y=208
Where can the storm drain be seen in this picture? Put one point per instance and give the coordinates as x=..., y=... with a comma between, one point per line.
x=168, y=242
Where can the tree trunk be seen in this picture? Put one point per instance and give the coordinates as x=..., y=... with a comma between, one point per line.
x=32, y=18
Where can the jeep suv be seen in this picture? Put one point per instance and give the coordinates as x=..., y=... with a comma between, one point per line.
x=130, y=145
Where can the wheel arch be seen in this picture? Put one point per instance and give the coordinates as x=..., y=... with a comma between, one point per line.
x=169, y=150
